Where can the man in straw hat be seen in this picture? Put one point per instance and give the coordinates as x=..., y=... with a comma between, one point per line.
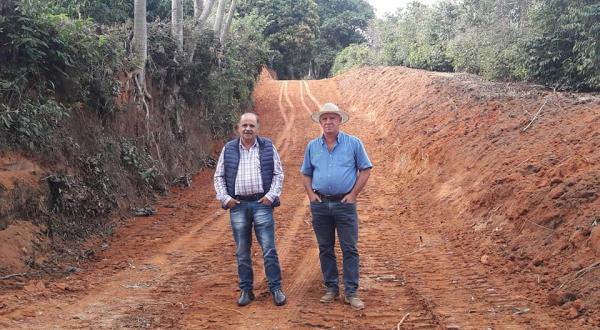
x=336, y=168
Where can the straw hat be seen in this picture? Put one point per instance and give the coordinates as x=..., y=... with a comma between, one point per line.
x=329, y=108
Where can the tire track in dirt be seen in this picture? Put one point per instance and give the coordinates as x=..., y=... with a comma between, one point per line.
x=310, y=95
x=281, y=141
x=291, y=220
x=303, y=85
x=303, y=263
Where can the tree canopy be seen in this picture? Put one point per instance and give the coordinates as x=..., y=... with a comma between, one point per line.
x=342, y=23
x=290, y=27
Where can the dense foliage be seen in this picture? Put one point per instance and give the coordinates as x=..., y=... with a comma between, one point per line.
x=342, y=23
x=103, y=11
x=290, y=27
x=564, y=47
x=50, y=64
x=554, y=42
x=355, y=55
x=53, y=62
x=306, y=35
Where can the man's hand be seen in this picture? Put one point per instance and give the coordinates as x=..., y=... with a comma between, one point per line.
x=265, y=201
x=350, y=198
x=313, y=197
x=232, y=203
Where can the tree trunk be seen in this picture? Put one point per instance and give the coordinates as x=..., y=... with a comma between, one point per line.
x=206, y=11
x=198, y=6
x=7, y=7
x=290, y=70
x=140, y=40
x=198, y=28
x=311, y=68
x=177, y=22
x=219, y=17
x=228, y=20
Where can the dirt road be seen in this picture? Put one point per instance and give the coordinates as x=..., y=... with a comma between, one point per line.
x=177, y=269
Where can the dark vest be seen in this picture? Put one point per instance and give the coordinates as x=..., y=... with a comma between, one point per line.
x=231, y=161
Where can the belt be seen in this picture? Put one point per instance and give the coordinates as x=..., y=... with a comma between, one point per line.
x=253, y=197
x=330, y=198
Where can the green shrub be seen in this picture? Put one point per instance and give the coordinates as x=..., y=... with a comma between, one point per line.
x=352, y=56
x=564, y=47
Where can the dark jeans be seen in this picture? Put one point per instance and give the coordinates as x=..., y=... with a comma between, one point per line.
x=243, y=217
x=327, y=217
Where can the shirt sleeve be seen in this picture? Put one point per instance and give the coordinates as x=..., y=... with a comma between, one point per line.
x=219, y=181
x=277, y=183
x=362, y=159
x=307, y=168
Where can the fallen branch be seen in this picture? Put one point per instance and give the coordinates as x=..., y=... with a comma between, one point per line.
x=581, y=273
x=415, y=251
x=402, y=321
x=13, y=275
x=234, y=310
x=535, y=116
x=537, y=224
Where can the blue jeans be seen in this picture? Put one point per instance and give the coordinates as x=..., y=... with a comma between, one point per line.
x=327, y=217
x=243, y=217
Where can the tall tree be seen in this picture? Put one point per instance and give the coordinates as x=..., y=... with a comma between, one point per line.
x=140, y=39
x=177, y=22
x=290, y=29
x=198, y=26
x=205, y=12
x=219, y=17
x=227, y=24
x=140, y=49
x=198, y=5
x=342, y=23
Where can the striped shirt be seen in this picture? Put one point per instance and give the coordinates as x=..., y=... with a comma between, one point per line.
x=248, y=180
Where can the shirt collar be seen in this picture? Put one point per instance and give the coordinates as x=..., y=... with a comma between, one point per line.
x=338, y=138
x=254, y=145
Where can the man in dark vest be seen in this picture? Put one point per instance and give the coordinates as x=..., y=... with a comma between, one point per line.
x=248, y=181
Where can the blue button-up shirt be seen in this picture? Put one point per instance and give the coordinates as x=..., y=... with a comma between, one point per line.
x=334, y=172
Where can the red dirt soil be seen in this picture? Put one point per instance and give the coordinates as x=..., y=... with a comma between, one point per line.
x=482, y=211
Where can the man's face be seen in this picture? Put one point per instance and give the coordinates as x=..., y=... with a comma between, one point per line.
x=248, y=128
x=330, y=122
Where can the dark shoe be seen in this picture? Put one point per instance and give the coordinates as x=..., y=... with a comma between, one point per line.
x=329, y=297
x=279, y=297
x=246, y=297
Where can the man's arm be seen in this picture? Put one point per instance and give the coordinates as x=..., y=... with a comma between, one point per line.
x=277, y=183
x=220, y=185
x=361, y=181
x=364, y=171
x=307, y=182
x=307, y=170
